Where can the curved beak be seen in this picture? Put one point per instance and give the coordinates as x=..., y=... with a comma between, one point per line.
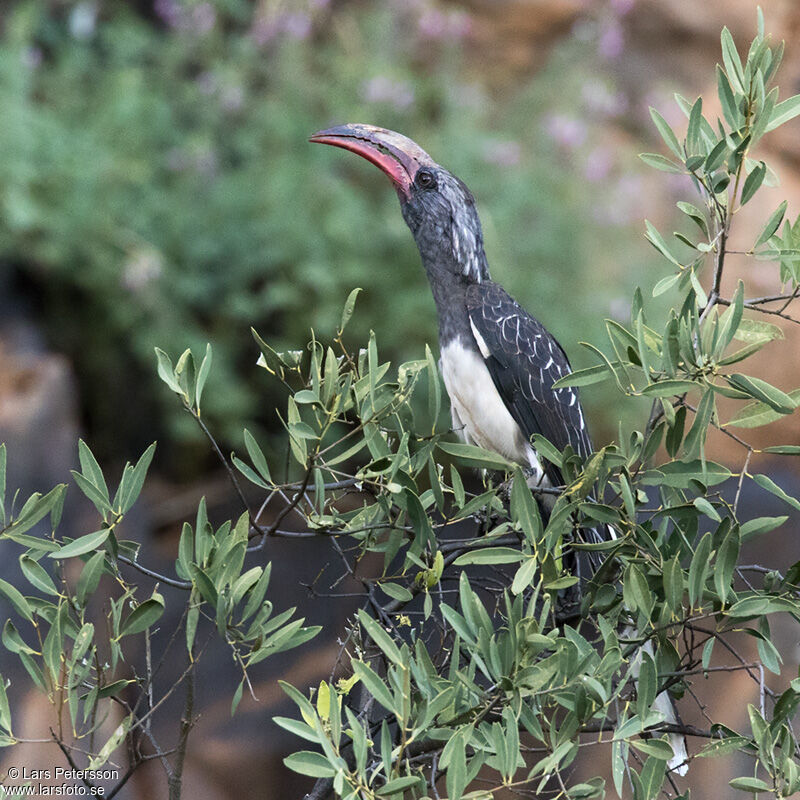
x=394, y=154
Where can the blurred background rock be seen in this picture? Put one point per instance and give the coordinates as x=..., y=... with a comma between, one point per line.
x=157, y=188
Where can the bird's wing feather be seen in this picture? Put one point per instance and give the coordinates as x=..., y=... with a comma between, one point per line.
x=524, y=361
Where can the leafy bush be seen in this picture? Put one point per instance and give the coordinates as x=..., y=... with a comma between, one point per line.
x=157, y=186
x=469, y=657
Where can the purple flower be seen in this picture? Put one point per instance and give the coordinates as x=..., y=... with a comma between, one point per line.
x=264, y=31
x=142, y=268
x=31, y=57
x=231, y=98
x=612, y=40
x=622, y=7
x=598, y=164
x=203, y=18
x=566, y=132
x=623, y=201
x=503, y=154
x=434, y=23
x=382, y=89
x=297, y=25
x=169, y=11
x=207, y=83
x=199, y=19
x=599, y=99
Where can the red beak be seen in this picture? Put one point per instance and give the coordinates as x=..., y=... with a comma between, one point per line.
x=394, y=154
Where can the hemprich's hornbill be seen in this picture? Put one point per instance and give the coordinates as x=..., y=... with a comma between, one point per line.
x=499, y=364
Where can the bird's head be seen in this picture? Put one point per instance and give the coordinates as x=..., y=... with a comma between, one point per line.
x=437, y=206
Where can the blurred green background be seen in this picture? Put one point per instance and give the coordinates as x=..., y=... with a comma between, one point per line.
x=157, y=188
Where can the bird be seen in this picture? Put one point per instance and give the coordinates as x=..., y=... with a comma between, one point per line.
x=498, y=362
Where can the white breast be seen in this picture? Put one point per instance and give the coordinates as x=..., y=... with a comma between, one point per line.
x=479, y=414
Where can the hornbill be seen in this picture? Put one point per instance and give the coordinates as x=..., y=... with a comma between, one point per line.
x=498, y=362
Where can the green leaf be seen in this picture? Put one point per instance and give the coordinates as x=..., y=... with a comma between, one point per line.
x=35, y=508
x=5, y=711
x=669, y=388
x=37, y=575
x=717, y=155
x=490, y=555
x=524, y=509
x=756, y=331
x=727, y=557
x=380, y=637
x=166, y=372
x=374, y=685
x=397, y=592
x=13, y=641
x=475, y=456
x=693, y=137
x=665, y=284
x=753, y=415
x=132, y=481
x=298, y=728
x=759, y=605
x=144, y=615
x=14, y=596
x=257, y=456
x=733, y=64
x=767, y=483
x=306, y=762
x=753, y=785
x=772, y=224
x=729, y=109
x=698, y=570
x=349, y=307
x=584, y=377
x=657, y=748
x=702, y=298
x=661, y=163
x=636, y=592
x=753, y=181
x=758, y=525
x=695, y=440
x=652, y=777
x=90, y=577
x=680, y=474
x=84, y=544
x=673, y=585
x=91, y=469
x=657, y=240
x=524, y=575
x=783, y=112
x=204, y=585
x=202, y=375
x=249, y=472
x=763, y=391
x=398, y=785
x=667, y=134
x=705, y=507
x=97, y=496
x=114, y=741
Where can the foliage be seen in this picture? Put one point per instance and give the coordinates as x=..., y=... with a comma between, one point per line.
x=477, y=661
x=157, y=186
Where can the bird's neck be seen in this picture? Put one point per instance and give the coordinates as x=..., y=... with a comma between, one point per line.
x=449, y=289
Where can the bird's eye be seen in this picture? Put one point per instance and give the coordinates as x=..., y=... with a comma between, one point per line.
x=425, y=179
